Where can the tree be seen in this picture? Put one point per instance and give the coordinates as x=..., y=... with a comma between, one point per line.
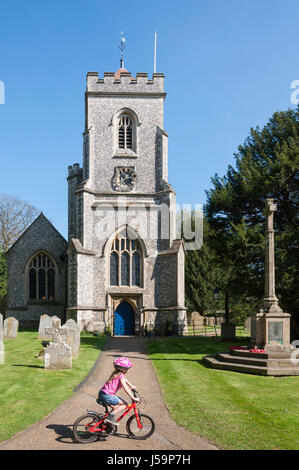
x=15, y=217
x=267, y=165
x=203, y=273
x=199, y=279
x=2, y=275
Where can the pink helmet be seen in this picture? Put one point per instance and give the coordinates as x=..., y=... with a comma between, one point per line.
x=123, y=362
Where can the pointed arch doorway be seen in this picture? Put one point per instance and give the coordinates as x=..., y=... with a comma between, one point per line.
x=124, y=319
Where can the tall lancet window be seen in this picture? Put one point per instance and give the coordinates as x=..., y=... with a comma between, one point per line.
x=125, y=261
x=41, y=278
x=125, y=132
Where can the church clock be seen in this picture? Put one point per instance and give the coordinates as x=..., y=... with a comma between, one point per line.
x=124, y=179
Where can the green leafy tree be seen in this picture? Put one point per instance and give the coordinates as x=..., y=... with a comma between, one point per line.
x=203, y=274
x=267, y=165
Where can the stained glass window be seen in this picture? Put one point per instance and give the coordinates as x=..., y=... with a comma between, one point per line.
x=114, y=269
x=136, y=269
x=125, y=261
x=41, y=278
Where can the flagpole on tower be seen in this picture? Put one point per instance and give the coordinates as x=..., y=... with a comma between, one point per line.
x=155, y=52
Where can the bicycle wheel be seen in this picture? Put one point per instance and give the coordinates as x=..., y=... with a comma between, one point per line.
x=81, y=425
x=110, y=428
x=148, y=426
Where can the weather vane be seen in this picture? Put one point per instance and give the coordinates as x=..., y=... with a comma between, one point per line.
x=122, y=47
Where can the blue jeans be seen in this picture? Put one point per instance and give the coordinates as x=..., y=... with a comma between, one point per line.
x=109, y=399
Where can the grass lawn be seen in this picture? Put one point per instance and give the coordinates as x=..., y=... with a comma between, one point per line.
x=232, y=410
x=28, y=392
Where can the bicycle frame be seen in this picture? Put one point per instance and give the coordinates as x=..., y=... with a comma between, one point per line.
x=96, y=427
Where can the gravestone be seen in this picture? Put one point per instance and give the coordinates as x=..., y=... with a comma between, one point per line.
x=212, y=321
x=2, y=353
x=45, y=323
x=73, y=339
x=58, y=356
x=58, y=333
x=196, y=320
x=11, y=327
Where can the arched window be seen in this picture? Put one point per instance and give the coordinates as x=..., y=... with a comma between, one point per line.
x=41, y=278
x=125, y=261
x=125, y=132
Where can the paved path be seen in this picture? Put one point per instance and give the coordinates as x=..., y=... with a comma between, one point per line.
x=55, y=430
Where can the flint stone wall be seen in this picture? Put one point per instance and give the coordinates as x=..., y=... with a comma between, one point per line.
x=41, y=235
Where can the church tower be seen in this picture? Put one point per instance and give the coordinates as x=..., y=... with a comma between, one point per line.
x=125, y=265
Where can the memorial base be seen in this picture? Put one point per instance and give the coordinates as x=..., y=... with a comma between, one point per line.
x=273, y=362
x=271, y=328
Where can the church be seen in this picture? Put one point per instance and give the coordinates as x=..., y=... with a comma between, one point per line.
x=122, y=268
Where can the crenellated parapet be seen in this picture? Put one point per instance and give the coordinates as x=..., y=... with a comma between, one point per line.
x=75, y=170
x=124, y=82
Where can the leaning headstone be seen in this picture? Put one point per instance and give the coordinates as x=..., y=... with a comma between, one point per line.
x=44, y=322
x=47, y=322
x=2, y=353
x=57, y=356
x=196, y=318
x=73, y=339
x=196, y=321
x=11, y=327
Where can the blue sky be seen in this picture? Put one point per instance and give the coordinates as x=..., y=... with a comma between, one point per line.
x=228, y=66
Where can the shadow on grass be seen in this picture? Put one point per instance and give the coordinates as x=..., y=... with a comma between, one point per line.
x=27, y=365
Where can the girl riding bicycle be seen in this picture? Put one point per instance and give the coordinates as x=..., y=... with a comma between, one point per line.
x=116, y=381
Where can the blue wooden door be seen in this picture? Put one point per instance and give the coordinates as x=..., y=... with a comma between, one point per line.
x=124, y=320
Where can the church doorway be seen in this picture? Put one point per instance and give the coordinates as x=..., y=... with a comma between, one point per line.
x=124, y=320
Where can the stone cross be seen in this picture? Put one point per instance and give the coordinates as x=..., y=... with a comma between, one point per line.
x=270, y=300
x=59, y=334
x=270, y=327
x=45, y=321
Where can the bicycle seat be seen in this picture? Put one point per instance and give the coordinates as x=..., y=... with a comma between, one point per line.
x=102, y=404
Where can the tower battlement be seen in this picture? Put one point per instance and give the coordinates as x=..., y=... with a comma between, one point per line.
x=75, y=170
x=124, y=82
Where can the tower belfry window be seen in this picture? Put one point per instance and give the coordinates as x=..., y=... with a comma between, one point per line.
x=125, y=132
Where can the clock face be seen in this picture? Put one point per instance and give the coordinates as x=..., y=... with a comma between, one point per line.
x=124, y=179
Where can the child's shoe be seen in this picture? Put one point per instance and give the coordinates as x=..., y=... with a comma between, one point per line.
x=112, y=420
